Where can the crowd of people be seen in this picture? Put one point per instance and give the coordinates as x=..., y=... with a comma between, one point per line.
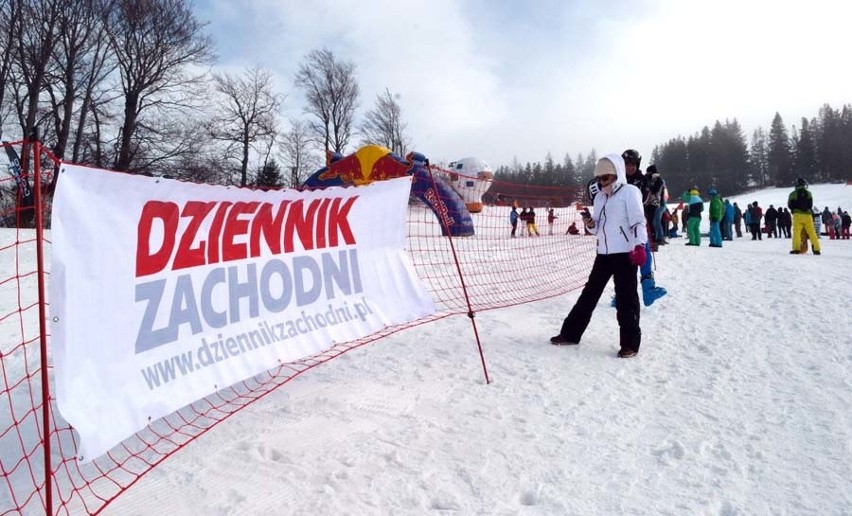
x=631, y=220
x=727, y=219
x=527, y=220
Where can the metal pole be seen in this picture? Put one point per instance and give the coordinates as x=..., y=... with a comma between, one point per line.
x=42, y=322
x=470, y=313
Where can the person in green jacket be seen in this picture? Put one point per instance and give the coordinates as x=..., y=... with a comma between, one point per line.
x=695, y=207
x=800, y=202
x=717, y=211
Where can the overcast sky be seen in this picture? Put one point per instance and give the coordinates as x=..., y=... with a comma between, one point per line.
x=498, y=79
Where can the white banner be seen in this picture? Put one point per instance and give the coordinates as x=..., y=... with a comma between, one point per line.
x=164, y=292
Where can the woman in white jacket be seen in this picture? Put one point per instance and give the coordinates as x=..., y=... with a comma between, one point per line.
x=619, y=224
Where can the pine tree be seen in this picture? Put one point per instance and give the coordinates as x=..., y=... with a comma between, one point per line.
x=549, y=171
x=759, y=157
x=673, y=164
x=845, y=129
x=779, y=154
x=804, y=153
x=571, y=178
x=736, y=158
x=587, y=166
x=269, y=176
x=698, y=154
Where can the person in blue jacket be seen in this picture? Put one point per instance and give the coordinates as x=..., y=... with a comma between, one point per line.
x=747, y=218
x=513, y=220
x=728, y=221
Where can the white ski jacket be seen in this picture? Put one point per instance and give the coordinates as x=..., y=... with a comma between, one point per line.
x=619, y=217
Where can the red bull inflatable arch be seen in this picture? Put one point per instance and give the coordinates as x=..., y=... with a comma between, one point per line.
x=377, y=163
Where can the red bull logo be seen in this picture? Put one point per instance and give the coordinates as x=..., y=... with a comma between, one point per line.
x=348, y=169
x=388, y=167
x=367, y=164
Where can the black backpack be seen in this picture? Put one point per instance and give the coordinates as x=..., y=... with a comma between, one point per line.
x=802, y=202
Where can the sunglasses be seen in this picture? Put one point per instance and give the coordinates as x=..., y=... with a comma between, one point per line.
x=607, y=179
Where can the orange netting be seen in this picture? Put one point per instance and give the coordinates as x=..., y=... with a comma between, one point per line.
x=465, y=275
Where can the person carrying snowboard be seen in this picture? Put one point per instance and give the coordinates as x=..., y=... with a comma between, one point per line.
x=650, y=291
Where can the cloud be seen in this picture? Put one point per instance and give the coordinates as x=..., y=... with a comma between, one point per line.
x=495, y=80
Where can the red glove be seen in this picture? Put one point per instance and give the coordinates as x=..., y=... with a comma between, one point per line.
x=637, y=255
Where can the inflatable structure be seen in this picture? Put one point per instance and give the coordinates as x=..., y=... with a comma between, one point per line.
x=377, y=163
x=470, y=178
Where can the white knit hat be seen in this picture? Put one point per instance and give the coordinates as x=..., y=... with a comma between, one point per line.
x=605, y=167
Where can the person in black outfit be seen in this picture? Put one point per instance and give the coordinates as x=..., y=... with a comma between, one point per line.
x=785, y=222
x=756, y=214
x=771, y=218
x=738, y=218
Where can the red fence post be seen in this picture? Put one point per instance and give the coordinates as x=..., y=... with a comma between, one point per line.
x=470, y=313
x=42, y=323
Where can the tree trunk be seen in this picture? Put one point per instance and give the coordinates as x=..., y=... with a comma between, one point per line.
x=125, y=152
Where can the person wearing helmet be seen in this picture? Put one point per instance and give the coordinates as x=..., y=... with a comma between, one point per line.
x=650, y=291
x=632, y=161
x=632, y=167
x=801, y=203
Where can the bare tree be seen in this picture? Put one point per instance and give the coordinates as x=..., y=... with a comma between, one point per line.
x=247, y=117
x=96, y=67
x=383, y=124
x=83, y=65
x=298, y=159
x=35, y=30
x=332, y=93
x=10, y=12
x=199, y=164
x=155, y=42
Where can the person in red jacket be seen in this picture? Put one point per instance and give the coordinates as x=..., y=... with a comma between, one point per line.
x=551, y=218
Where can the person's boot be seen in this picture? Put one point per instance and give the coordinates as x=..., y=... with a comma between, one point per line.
x=627, y=353
x=560, y=340
x=650, y=291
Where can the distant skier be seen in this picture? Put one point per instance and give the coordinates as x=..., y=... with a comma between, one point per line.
x=532, y=229
x=551, y=218
x=513, y=220
x=801, y=203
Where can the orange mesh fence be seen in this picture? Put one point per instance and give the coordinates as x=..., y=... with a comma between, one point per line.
x=38, y=449
x=23, y=393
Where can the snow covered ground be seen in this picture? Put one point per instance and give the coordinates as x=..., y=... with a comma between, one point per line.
x=739, y=402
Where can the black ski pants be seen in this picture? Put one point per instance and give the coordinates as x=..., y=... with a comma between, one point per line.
x=606, y=266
